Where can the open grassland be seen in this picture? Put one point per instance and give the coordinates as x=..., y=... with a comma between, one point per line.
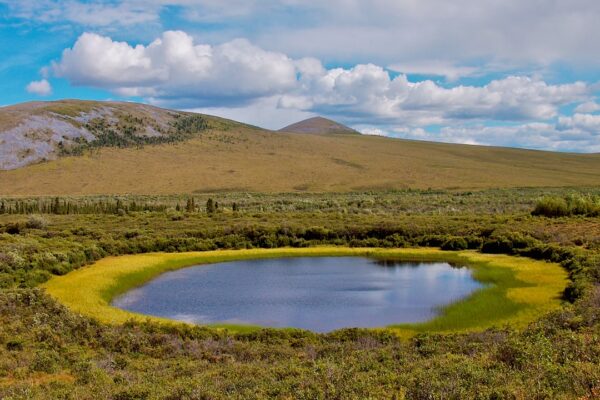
x=244, y=159
x=520, y=290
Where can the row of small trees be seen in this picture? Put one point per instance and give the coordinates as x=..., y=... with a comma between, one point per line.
x=211, y=206
x=60, y=206
x=65, y=206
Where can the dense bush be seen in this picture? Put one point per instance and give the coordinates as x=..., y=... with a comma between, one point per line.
x=551, y=207
x=554, y=206
x=508, y=243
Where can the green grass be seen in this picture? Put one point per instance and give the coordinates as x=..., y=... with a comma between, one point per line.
x=518, y=289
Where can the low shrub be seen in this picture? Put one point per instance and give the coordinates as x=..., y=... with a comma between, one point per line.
x=551, y=207
x=36, y=222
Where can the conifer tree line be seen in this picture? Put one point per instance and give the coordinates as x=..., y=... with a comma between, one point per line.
x=211, y=207
x=67, y=206
x=62, y=206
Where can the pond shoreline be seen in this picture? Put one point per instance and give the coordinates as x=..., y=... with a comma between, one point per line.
x=320, y=294
x=519, y=291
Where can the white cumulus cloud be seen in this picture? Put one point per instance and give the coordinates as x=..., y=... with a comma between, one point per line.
x=174, y=67
x=435, y=67
x=581, y=122
x=369, y=130
x=369, y=90
x=588, y=107
x=561, y=136
x=240, y=80
x=175, y=70
x=41, y=88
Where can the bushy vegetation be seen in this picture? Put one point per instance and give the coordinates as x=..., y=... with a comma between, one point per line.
x=48, y=352
x=382, y=203
x=574, y=204
x=28, y=254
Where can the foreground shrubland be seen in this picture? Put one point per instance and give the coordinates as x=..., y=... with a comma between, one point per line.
x=47, y=351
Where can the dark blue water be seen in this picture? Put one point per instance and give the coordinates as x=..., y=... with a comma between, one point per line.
x=316, y=293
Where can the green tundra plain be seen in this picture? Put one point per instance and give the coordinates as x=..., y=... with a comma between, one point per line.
x=539, y=248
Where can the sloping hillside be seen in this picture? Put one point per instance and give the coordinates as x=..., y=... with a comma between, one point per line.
x=40, y=131
x=228, y=156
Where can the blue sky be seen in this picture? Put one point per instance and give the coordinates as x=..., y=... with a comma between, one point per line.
x=494, y=72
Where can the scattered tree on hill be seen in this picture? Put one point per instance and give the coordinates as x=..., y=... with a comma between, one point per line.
x=56, y=206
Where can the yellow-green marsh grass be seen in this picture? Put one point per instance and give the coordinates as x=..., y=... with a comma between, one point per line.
x=518, y=290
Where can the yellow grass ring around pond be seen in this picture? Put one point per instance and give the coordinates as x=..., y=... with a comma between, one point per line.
x=518, y=290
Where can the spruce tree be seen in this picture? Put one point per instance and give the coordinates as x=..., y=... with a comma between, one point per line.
x=210, y=206
x=190, y=205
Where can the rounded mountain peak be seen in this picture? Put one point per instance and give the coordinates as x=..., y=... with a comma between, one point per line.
x=319, y=126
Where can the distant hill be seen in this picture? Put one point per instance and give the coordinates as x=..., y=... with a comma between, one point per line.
x=118, y=148
x=318, y=125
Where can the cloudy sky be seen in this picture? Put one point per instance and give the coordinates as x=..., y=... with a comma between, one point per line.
x=495, y=72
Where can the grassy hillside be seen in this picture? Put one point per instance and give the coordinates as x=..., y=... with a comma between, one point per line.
x=40, y=131
x=234, y=157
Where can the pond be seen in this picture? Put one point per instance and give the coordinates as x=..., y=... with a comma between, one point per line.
x=316, y=293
